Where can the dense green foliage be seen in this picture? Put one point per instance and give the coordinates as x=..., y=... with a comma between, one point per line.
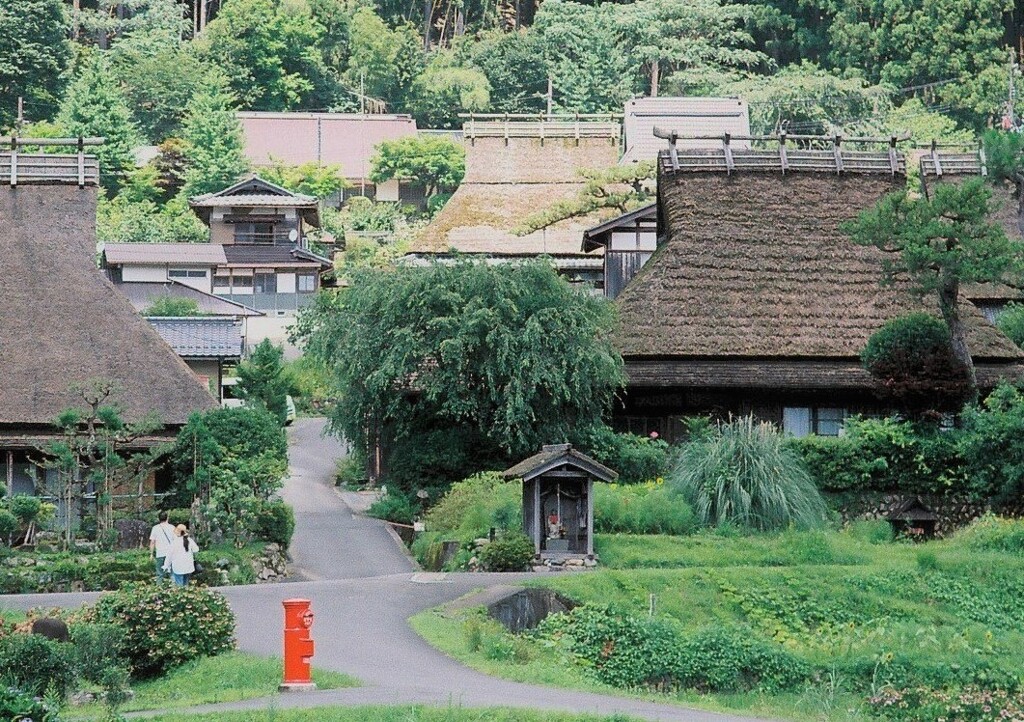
x=262, y=383
x=1011, y=323
x=167, y=626
x=634, y=458
x=510, y=355
x=438, y=164
x=912, y=362
x=511, y=553
x=36, y=664
x=650, y=508
x=743, y=473
x=34, y=55
x=18, y=705
x=174, y=306
x=213, y=139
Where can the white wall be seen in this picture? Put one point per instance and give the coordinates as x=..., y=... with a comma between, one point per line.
x=387, y=191
x=153, y=274
x=276, y=329
x=286, y=283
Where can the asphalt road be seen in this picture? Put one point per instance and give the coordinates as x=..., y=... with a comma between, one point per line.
x=368, y=588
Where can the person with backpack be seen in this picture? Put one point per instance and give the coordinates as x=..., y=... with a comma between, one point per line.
x=180, y=561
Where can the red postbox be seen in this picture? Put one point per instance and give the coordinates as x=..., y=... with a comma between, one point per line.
x=298, y=645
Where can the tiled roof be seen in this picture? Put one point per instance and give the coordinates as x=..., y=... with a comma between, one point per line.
x=686, y=116
x=200, y=337
x=253, y=191
x=143, y=294
x=240, y=254
x=206, y=254
x=343, y=139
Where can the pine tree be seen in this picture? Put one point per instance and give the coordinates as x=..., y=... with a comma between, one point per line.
x=213, y=139
x=96, y=106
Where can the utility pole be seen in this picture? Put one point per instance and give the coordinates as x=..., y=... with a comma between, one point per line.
x=551, y=96
x=1011, y=98
x=654, y=78
x=20, y=122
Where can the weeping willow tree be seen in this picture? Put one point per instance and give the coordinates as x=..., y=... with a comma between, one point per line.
x=743, y=473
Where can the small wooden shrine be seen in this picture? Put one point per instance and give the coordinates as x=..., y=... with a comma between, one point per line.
x=558, y=500
x=913, y=518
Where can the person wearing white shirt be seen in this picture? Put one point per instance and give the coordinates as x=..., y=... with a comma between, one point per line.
x=160, y=538
x=180, y=560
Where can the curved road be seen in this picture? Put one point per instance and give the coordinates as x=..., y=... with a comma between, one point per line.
x=364, y=590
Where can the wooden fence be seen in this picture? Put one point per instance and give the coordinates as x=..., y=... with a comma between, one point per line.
x=23, y=162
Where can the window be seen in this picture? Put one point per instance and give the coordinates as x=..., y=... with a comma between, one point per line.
x=306, y=283
x=803, y=421
x=254, y=233
x=221, y=281
x=265, y=283
x=185, y=273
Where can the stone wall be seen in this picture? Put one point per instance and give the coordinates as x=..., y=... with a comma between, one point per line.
x=954, y=511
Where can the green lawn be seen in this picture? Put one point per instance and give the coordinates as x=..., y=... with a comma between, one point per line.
x=860, y=611
x=225, y=678
x=392, y=714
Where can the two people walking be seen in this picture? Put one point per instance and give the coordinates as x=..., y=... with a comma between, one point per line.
x=173, y=551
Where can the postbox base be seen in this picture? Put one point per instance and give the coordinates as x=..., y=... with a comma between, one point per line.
x=297, y=687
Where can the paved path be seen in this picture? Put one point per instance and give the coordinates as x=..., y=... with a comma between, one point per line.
x=330, y=541
x=368, y=590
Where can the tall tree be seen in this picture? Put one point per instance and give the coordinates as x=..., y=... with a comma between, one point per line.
x=268, y=50
x=512, y=353
x=438, y=164
x=383, y=62
x=34, y=55
x=444, y=89
x=261, y=380
x=515, y=69
x=95, y=106
x=213, y=139
x=940, y=243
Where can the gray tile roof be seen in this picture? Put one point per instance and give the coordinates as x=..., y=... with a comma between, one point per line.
x=240, y=254
x=206, y=254
x=686, y=116
x=253, y=191
x=200, y=337
x=143, y=294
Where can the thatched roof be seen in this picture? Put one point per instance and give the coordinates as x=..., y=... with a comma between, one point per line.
x=755, y=267
x=63, y=323
x=504, y=184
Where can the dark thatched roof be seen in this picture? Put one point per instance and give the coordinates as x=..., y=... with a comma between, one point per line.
x=557, y=456
x=62, y=323
x=755, y=268
x=507, y=182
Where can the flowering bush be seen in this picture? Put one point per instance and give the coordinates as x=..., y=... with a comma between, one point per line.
x=166, y=626
x=970, y=704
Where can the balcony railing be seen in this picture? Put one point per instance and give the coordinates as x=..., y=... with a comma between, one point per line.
x=273, y=238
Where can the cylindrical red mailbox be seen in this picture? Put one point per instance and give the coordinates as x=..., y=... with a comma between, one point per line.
x=298, y=645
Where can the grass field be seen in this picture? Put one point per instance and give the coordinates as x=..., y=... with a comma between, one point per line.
x=392, y=714
x=858, y=610
x=224, y=678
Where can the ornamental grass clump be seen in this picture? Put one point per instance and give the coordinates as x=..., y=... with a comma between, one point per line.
x=744, y=474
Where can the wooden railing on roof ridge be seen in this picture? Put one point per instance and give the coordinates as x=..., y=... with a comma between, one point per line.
x=541, y=125
x=814, y=153
x=959, y=161
x=20, y=168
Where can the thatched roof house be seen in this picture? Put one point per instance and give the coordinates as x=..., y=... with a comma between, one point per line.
x=63, y=323
x=757, y=302
x=510, y=178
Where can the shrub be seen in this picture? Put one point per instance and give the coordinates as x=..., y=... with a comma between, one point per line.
x=1011, y=323
x=430, y=459
x=35, y=664
x=351, y=470
x=512, y=553
x=394, y=506
x=745, y=474
x=18, y=705
x=993, y=533
x=98, y=648
x=167, y=626
x=649, y=508
x=635, y=458
x=180, y=516
x=275, y=522
x=993, y=445
x=472, y=506
x=912, y=361
x=722, y=659
x=884, y=455
x=8, y=525
x=619, y=650
x=923, y=704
